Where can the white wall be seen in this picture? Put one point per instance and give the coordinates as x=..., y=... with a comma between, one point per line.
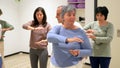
x=113, y=16
x=89, y=11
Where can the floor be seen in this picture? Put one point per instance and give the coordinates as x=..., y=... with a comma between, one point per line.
x=22, y=61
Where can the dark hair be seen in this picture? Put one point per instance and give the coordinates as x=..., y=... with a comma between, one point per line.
x=35, y=21
x=103, y=10
x=0, y=12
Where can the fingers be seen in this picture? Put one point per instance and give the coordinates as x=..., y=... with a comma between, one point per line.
x=37, y=43
x=41, y=42
x=78, y=39
x=39, y=28
x=90, y=35
x=90, y=31
x=75, y=39
x=74, y=52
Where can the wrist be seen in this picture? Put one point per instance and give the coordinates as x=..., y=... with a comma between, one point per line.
x=7, y=29
x=66, y=41
x=33, y=28
x=94, y=38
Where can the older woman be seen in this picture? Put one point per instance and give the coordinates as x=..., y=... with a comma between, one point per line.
x=70, y=43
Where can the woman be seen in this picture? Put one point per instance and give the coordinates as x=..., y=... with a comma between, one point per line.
x=4, y=27
x=38, y=43
x=70, y=43
x=101, y=32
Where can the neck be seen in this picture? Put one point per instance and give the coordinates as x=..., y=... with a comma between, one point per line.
x=69, y=27
x=102, y=23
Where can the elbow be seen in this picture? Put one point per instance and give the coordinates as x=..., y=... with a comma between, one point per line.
x=12, y=28
x=24, y=27
x=49, y=37
x=90, y=52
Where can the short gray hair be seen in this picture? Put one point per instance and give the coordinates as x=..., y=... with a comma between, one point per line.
x=61, y=6
x=66, y=9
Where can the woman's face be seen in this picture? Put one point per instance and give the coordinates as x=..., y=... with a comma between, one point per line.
x=39, y=16
x=100, y=17
x=69, y=18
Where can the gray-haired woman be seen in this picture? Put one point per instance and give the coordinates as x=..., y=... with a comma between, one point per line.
x=70, y=43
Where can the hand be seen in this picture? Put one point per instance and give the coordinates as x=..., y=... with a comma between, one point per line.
x=74, y=52
x=39, y=28
x=90, y=35
x=90, y=31
x=42, y=41
x=5, y=29
x=37, y=43
x=74, y=39
x=2, y=37
x=30, y=28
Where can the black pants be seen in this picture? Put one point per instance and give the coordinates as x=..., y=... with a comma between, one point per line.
x=40, y=55
x=102, y=62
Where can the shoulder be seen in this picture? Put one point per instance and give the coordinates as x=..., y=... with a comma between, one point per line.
x=3, y=21
x=48, y=24
x=91, y=23
x=78, y=25
x=57, y=26
x=31, y=21
x=110, y=24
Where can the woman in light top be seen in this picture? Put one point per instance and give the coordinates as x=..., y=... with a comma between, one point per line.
x=70, y=43
x=101, y=32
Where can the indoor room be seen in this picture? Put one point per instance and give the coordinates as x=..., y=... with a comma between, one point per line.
x=19, y=12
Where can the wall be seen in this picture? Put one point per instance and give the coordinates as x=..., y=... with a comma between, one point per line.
x=113, y=6
x=80, y=13
x=89, y=11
